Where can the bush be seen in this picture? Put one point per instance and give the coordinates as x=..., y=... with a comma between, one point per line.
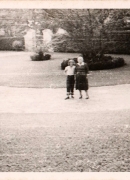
x=17, y=45
x=65, y=63
x=107, y=62
x=47, y=57
x=40, y=56
x=35, y=57
x=6, y=43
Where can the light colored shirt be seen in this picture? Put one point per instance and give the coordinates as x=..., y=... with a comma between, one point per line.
x=70, y=70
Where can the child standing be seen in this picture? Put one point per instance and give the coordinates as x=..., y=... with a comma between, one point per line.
x=70, y=71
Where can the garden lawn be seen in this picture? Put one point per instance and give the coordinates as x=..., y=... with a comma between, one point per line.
x=19, y=71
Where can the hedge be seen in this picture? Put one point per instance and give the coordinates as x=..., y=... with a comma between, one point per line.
x=11, y=43
x=107, y=63
x=116, y=47
x=114, y=63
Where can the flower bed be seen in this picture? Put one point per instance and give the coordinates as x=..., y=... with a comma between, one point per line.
x=107, y=62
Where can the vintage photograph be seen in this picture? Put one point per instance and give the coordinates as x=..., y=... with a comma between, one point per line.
x=64, y=90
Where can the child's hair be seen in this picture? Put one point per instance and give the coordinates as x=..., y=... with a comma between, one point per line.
x=71, y=61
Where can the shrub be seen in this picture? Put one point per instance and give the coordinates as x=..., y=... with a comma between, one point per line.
x=65, y=63
x=17, y=45
x=106, y=62
x=35, y=57
x=47, y=57
x=109, y=64
x=40, y=56
x=6, y=43
x=118, y=47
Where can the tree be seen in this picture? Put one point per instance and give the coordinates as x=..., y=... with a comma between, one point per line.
x=89, y=30
x=83, y=26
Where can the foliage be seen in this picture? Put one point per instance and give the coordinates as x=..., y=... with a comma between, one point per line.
x=106, y=62
x=16, y=21
x=82, y=26
x=39, y=56
x=17, y=45
x=35, y=57
x=78, y=22
x=47, y=57
x=110, y=64
x=60, y=42
x=85, y=27
x=11, y=43
x=47, y=47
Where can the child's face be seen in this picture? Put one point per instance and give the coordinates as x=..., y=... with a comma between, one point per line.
x=71, y=64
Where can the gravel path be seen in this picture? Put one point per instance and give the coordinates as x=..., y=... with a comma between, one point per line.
x=42, y=132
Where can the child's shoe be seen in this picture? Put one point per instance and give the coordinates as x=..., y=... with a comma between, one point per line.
x=80, y=97
x=72, y=97
x=67, y=98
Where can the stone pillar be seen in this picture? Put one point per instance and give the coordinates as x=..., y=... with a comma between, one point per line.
x=2, y=32
x=30, y=40
x=47, y=35
x=47, y=39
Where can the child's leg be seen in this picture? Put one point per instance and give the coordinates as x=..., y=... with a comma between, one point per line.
x=68, y=93
x=68, y=87
x=72, y=87
x=72, y=91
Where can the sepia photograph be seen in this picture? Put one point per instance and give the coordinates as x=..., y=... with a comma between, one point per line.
x=64, y=89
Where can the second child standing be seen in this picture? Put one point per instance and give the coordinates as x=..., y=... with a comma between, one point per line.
x=70, y=80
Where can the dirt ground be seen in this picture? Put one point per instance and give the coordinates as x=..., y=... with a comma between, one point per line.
x=41, y=132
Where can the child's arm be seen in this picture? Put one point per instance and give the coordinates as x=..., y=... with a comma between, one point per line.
x=75, y=70
x=65, y=70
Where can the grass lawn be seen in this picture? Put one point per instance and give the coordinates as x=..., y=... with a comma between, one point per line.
x=56, y=142
x=20, y=71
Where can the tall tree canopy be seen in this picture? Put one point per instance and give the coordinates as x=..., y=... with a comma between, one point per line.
x=86, y=25
x=83, y=25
